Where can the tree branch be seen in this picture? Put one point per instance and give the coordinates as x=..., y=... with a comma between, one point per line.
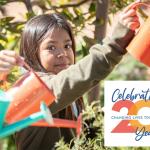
x=10, y=1
x=26, y=2
x=28, y=5
x=70, y=5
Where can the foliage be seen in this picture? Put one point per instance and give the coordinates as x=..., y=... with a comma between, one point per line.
x=129, y=69
x=92, y=136
x=8, y=143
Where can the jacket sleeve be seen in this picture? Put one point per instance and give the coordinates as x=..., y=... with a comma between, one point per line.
x=73, y=82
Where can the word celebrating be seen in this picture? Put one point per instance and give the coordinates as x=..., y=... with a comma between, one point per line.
x=124, y=95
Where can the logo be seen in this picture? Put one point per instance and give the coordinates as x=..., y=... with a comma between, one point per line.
x=127, y=113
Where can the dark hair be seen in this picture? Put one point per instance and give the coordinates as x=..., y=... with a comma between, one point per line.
x=35, y=31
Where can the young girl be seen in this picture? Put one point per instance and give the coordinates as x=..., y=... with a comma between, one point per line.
x=48, y=46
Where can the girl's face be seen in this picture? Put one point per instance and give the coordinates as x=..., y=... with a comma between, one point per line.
x=55, y=51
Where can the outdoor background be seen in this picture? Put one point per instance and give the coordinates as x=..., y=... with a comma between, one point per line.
x=91, y=21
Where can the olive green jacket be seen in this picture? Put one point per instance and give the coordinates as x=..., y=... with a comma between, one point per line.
x=72, y=83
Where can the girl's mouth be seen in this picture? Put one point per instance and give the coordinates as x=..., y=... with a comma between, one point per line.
x=62, y=66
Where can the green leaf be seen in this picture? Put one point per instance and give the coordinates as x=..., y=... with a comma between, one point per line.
x=3, y=2
x=6, y=20
x=77, y=11
x=29, y=15
x=3, y=38
x=68, y=14
x=92, y=7
x=1, y=47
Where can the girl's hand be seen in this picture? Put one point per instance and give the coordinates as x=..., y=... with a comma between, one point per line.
x=128, y=17
x=8, y=59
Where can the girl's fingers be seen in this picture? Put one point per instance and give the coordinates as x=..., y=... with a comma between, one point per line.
x=9, y=60
x=9, y=53
x=133, y=25
x=131, y=22
x=8, y=57
x=131, y=19
x=20, y=61
x=4, y=70
x=130, y=13
x=5, y=65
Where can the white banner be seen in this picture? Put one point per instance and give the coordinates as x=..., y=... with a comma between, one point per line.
x=127, y=113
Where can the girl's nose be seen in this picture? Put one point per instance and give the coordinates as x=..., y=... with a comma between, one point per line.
x=61, y=53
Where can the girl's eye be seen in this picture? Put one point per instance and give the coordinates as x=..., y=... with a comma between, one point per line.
x=68, y=46
x=52, y=48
